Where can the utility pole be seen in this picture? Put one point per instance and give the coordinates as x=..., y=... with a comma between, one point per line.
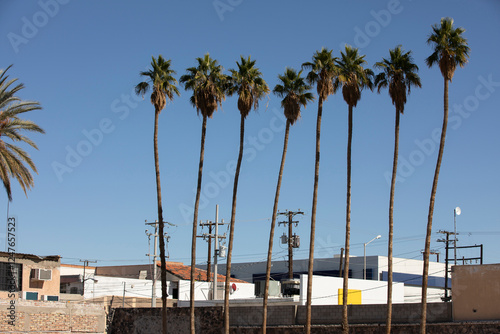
x=209, y=236
x=123, y=299
x=434, y=252
x=341, y=261
x=85, y=264
x=155, y=255
x=292, y=240
x=446, y=298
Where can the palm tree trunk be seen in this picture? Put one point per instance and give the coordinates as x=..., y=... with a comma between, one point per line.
x=391, y=224
x=195, y=222
x=345, y=323
x=160, y=224
x=273, y=225
x=231, y=227
x=423, y=319
x=313, y=220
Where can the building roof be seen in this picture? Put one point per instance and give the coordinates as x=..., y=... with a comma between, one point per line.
x=22, y=256
x=184, y=272
x=76, y=266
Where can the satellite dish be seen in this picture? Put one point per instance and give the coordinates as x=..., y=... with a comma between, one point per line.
x=458, y=211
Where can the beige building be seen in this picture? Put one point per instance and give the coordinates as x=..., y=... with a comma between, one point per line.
x=32, y=277
x=476, y=292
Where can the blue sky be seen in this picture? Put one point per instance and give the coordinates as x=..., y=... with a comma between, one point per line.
x=96, y=186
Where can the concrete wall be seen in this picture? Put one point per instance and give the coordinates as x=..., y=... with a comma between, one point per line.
x=325, y=290
x=102, y=286
x=148, y=321
x=210, y=319
x=413, y=294
x=38, y=316
x=476, y=292
x=71, y=269
x=202, y=291
x=446, y=328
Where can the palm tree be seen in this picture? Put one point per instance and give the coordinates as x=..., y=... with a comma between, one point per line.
x=353, y=78
x=295, y=93
x=160, y=79
x=322, y=72
x=13, y=159
x=247, y=82
x=450, y=50
x=399, y=73
x=209, y=88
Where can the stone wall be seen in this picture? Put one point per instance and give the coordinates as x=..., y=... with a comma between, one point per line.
x=289, y=319
x=40, y=316
x=366, y=314
x=448, y=328
x=332, y=314
x=148, y=320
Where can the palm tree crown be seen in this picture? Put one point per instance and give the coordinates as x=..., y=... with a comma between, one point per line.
x=322, y=72
x=352, y=76
x=450, y=48
x=294, y=91
x=13, y=159
x=160, y=77
x=208, y=83
x=247, y=82
x=399, y=73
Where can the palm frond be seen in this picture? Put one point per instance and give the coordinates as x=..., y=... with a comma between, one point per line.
x=14, y=161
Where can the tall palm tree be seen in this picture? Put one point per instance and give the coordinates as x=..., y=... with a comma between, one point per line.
x=399, y=73
x=209, y=86
x=14, y=161
x=322, y=72
x=294, y=92
x=163, y=85
x=353, y=78
x=450, y=50
x=247, y=82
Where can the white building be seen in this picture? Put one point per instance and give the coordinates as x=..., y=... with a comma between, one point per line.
x=405, y=271
x=136, y=281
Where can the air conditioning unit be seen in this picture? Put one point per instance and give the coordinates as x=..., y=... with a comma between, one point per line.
x=274, y=288
x=41, y=274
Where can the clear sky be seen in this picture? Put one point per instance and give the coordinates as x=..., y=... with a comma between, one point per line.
x=96, y=182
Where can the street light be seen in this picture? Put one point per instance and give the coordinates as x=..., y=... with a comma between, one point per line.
x=366, y=243
x=456, y=213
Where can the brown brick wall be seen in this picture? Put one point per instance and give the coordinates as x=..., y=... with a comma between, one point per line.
x=56, y=317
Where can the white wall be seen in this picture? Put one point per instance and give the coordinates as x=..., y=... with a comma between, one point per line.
x=66, y=271
x=411, y=266
x=325, y=290
x=202, y=289
x=113, y=286
x=413, y=294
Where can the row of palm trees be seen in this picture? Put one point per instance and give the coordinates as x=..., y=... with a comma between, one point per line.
x=210, y=86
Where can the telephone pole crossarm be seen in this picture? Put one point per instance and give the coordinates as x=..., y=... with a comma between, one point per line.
x=292, y=239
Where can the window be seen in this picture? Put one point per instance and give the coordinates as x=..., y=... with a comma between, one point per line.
x=11, y=276
x=31, y=295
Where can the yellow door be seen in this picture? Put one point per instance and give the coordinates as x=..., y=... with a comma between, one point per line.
x=353, y=297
